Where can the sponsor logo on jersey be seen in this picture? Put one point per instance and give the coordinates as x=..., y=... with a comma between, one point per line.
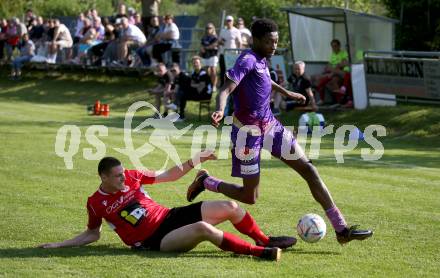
x=249, y=169
x=133, y=213
x=246, y=155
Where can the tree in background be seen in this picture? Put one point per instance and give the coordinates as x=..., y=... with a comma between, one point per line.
x=419, y=27
x=248, y=9
x=49, y=8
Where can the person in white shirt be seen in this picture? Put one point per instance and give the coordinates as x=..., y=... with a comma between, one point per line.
x=168, y=35
x=131, y=39
x=246, y=36
x=61, y=39
x=230, y=37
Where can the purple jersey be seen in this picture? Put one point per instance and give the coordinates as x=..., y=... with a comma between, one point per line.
x=254, y=87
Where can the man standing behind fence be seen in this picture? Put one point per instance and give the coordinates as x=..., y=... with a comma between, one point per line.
x=230, y=37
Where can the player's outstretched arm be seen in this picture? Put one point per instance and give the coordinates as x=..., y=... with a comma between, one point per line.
x=86, y=237
x=179, y=171
x=222, y=97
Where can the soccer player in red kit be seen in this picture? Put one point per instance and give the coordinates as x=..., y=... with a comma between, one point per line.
x=144, y=224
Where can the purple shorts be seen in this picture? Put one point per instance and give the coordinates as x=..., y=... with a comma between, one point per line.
x=247, y=145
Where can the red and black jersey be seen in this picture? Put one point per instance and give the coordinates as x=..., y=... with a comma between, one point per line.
x=131, y=213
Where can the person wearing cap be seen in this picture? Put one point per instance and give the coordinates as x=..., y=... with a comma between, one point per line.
x=230, y=37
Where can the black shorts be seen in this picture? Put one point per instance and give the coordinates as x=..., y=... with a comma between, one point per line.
x=176, y=218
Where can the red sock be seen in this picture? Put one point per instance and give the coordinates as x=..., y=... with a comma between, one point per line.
x=235, y=244
x=249, y=227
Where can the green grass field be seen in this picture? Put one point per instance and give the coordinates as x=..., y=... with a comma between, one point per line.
x=41, y=201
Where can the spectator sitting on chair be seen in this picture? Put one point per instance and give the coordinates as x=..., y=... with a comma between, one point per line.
x=87, y=40
x=131, y=38
x=96, y=52
x=168, y=35
x=49, y=32
x=337, y=67
x=299, y=83
x=181, y=84
x=145, y=53
x=162, y=91
x=36, y=31
x=199, y=88
x=338, y=91
x=209, y=51
x=61, y=39
x=111, y=51
x=27, y=51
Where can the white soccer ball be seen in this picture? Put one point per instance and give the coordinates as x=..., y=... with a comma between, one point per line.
x=311, y=228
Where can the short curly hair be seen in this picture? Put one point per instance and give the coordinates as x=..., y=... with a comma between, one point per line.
x=262, y=26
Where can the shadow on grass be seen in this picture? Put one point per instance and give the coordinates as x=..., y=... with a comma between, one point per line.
x=62, y=90
x=102, y=250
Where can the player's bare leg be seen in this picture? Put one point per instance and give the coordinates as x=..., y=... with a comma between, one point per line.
x=322, y=195
x=248, y=193
x=187, y=237
x=215, y=212
x=308, y=172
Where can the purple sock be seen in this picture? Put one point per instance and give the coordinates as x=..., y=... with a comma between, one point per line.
x=336, y=218
x=211, y=183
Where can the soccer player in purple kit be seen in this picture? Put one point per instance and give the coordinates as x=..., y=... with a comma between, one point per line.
x=250, y=84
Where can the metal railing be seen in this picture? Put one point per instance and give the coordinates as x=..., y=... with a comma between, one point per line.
x=409, y=54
